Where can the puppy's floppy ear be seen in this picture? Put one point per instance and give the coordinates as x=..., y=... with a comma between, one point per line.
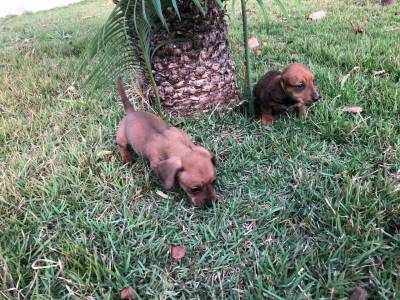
x=213, y=159
x=278, y=88
x=167, y=170
x=281, y=81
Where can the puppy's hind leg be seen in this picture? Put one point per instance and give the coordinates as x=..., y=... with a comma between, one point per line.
x=266, y=117
x=123, y=144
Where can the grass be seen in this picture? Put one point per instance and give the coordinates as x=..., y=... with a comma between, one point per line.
x=308, y=209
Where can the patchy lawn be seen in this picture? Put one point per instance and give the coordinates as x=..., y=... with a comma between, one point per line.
x=308, y=208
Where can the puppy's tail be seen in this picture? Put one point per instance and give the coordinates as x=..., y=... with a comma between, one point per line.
x=128, y=107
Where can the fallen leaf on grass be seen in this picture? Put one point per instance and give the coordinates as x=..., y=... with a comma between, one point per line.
x=30, y=53
x=357, y=28
x=345, y=77
x=378, y=73
x=395, y=176
x=353, y=109
x=56, y=128
x=359, y=294
x=318, y=15
x=128, y=294
x=103, y=153
x=253, y=42
x=202, y=247
x=162, y=195
x=71, y=90
x=258, y=52
x=364, y=19
x=178, y=252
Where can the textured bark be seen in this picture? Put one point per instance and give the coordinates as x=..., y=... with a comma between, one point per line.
x=195, y=74
x=388, y=2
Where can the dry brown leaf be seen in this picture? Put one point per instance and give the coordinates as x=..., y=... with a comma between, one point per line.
x=357, y=28
x=71, y=90
x=178, y=252
x=30, y=53
x=56, y=128
x=378, y=73
x=202, y=247
x=258, y=52
x=353, y=109
x=364, y=19
x=359, y=294
x=395, y=176
x=253, y=42
x=345, y=77
x=128, y=294
x=318, y=15
x=162, y=195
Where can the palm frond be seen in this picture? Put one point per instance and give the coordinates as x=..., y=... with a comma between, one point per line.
x=111, y=51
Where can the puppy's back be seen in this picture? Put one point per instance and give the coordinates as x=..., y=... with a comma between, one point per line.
x=263, y=84
x=262, y=90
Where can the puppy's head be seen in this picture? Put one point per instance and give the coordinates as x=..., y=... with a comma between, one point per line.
x=298, y=83
x=195, y=173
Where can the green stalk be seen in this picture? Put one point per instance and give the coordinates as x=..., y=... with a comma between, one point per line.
x=143, y=36
x=248, y=92
x=152, y=80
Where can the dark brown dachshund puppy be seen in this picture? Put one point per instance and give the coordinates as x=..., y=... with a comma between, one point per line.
x=293, y=89
x=172, y=155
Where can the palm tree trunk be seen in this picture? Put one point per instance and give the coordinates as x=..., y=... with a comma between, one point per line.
x=194, y=73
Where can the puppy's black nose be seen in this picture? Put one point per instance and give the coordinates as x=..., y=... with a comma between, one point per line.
x=209, y=203
x=316, y=98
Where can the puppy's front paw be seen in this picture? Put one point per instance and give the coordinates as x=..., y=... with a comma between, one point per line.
x=302, y=110
x=266, y=119
x=126, y=157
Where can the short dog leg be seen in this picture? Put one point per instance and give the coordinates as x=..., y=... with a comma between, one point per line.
x=123, y=144
x=302, y=111
x=293, y=107
x=266, y=118
x=125, y=154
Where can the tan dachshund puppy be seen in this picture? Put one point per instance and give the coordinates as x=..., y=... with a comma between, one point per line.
x=293, y=89
x=173, y=156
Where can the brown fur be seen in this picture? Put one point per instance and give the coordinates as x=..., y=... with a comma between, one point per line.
x=171, y=152
x=278, y=92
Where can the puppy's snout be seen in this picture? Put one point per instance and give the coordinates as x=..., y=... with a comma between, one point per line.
x=316, y=97
x=208, y=203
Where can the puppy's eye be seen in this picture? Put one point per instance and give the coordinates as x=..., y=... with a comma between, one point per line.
x=300, y=86
x=195, y=190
